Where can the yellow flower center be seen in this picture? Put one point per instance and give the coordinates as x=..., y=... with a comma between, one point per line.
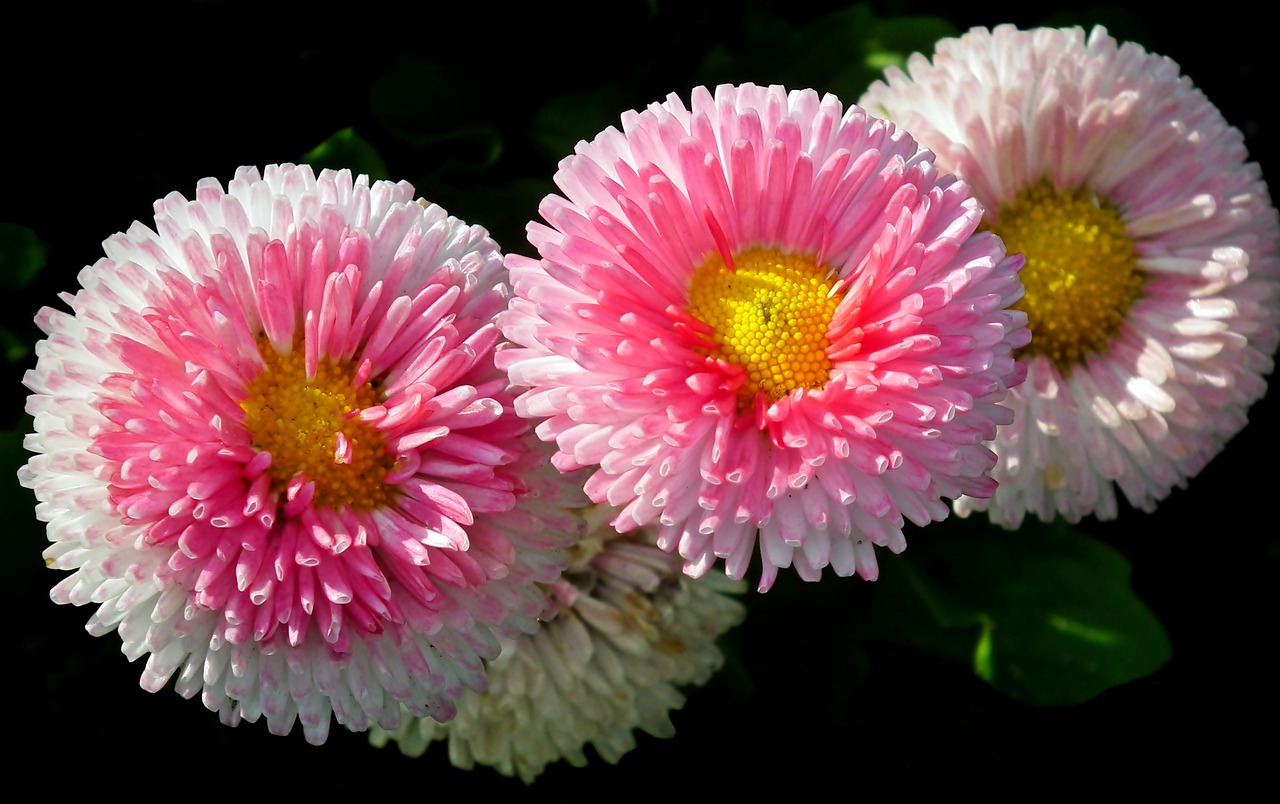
x=304, y=424
x=1082, y=273
x=769, y=316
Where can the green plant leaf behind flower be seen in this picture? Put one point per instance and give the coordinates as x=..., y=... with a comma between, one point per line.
x=432, y=106
x=565, y=120
x=890, y=41
x=1045, y=614
x=22, y=256
x=841, y=53
x=347, y=149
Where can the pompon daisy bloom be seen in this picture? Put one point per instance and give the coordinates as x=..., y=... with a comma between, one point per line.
x=1151, y=247
x=630, y=631
x=765, y=318
x=272, y=448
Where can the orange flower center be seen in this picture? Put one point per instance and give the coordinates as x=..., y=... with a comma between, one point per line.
x=1082, y=274
x=770, y=316
x=308, y=426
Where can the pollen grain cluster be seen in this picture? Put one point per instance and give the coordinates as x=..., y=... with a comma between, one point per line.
x=305, y=424
x=770, y=315
x=1082, y=273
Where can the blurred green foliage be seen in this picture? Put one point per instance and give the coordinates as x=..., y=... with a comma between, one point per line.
x=347, y=149
x=1045, y=614
x=22, y=257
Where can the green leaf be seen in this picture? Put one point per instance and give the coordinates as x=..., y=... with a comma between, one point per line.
x=12, y=346
x=416, y=100
x=347, y=149
x=567, y=119
x=433, y=106
x=902, y=36
x=22, y=256
x=841, y=53
x=1045, y=614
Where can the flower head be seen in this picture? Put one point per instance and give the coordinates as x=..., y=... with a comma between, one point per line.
x=765, y=316
x=628, y=632
x=1151, y=248
x=272, y=447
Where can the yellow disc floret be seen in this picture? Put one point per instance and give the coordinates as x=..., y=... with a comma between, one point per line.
x=1082, y=273
x=305, y=424
x=770, y=314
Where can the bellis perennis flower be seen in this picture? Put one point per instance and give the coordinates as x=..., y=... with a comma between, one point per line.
x=272, y=448
x=764, y=315
x=1153, y=284
x=629, y=630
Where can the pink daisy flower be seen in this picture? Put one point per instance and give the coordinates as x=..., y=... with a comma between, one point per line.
x=1151, y=245
x=766, y=317
x=629, y=631
x=272, y=448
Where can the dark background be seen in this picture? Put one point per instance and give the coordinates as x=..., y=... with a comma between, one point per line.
x=107, y=112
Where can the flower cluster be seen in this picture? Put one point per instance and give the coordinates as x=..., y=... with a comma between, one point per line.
x=322, y=452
